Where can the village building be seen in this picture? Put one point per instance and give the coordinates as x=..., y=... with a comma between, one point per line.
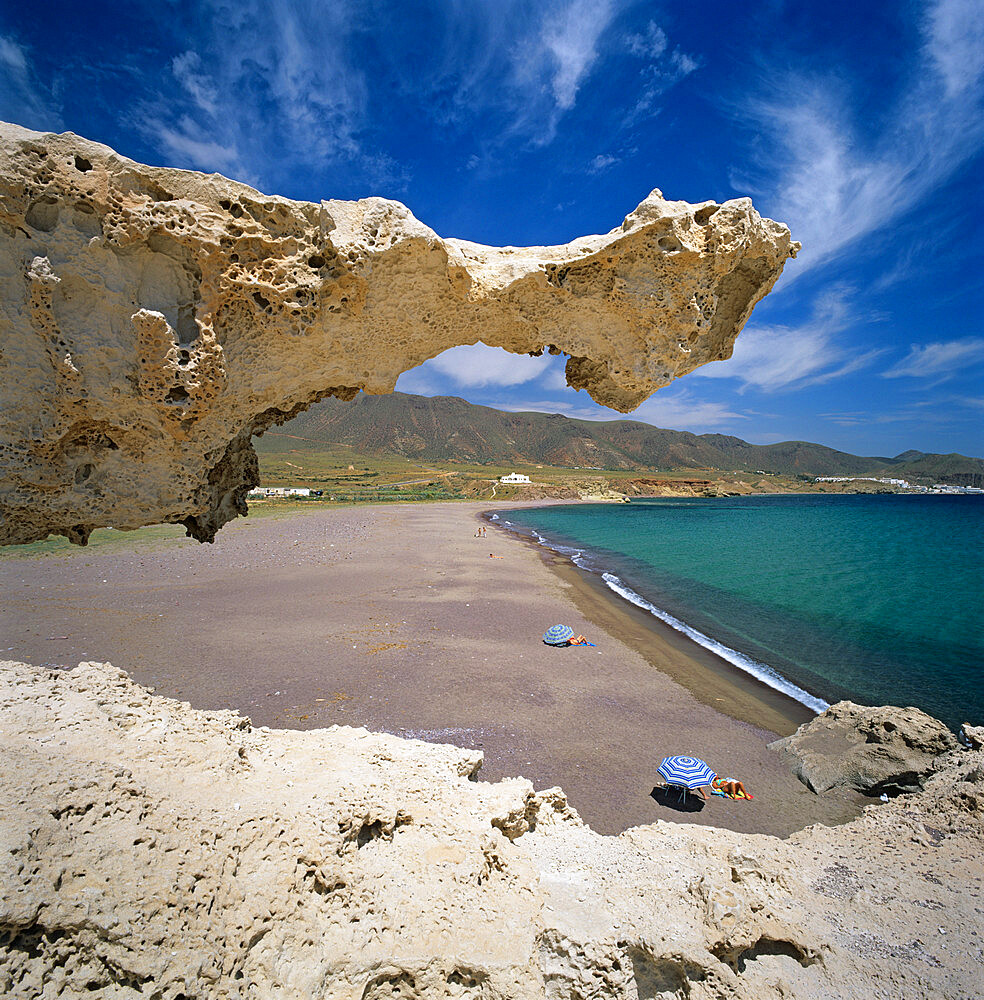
x=279, y=491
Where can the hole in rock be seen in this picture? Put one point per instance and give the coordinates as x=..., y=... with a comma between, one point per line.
x=178, y=394
x=83, y=472
x=670, y=244
x=468, y=979
x=762, y=948
x=369, y=832
x=187, y=328
x=261, y=300
x=42, y=215
x=655, y=978
x=391, y=986
x=703, y=215
x=81, y=163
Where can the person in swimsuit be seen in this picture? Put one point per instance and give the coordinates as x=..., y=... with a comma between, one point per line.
x=730, y=786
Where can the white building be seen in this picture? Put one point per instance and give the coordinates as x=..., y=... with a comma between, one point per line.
x=280, y=491
x=515, y=477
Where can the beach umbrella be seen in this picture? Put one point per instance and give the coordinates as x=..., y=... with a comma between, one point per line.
x=558, y=635
x=688, y=772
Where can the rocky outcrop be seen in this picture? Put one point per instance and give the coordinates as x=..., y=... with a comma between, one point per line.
x=589, y=489
x=155, y=319
x=149, y=849
x=876, y=751
x=679, y=488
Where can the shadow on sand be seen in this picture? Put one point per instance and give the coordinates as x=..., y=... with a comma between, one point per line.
x=675, y=798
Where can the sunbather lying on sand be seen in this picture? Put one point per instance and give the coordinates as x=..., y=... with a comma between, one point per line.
x=730, y=786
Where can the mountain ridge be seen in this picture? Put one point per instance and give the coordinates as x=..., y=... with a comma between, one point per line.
x=450, y=429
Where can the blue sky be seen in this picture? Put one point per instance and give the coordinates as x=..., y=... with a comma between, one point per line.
x=860, y=125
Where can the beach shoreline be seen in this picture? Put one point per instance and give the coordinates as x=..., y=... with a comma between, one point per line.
x=710, y=678
x=394, y=618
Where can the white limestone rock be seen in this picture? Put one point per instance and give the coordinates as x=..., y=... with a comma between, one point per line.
x=874, y=750
x=150, y=849
x=153, y=320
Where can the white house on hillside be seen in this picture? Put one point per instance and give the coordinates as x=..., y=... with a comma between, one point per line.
x=279, y=491
x=514, y=477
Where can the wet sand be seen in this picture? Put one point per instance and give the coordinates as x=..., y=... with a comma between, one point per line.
x=396, y=619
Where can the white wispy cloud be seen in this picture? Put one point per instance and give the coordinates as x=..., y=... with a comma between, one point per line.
x=570, y=43
x=188, y=142
x=833, y=179
x=478, y=365
x=266, y=85
x=420, y=381
x=602, y=162
x=507, y=72
x=783, y=357
x=955, y=44
x=290, y=82
x=940, y=360
x=23, y=98
x=648, y=44
x=664, y=67
x=683, y=410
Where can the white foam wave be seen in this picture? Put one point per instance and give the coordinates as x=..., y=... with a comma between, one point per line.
x=575, y=555
x=761, y=671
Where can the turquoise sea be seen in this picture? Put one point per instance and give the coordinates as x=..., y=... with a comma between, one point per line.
x=879, y=599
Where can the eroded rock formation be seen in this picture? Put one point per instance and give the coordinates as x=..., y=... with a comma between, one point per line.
x=149, y=849
x=153, y=320
x=883, y=750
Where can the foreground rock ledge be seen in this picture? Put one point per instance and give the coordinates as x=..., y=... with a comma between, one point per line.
x=154, y=319
x=149, y=849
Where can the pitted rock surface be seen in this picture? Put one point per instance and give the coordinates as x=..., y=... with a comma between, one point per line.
x=155, y=319
x=148, y=849
x=883, y=750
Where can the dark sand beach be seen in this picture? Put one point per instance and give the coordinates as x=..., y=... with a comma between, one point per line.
x=396, y=618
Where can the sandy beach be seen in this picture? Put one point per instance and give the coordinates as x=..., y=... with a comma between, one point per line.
x=396, y=618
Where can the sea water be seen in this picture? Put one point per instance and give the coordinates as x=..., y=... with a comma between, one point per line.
x=874, y=598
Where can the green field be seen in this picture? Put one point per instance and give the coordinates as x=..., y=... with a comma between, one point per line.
x=345, y=475
x=153, y=536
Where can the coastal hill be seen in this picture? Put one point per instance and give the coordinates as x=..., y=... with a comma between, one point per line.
x=449, y=429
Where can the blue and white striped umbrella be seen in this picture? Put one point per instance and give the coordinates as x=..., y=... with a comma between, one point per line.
x=690, y=772
x=558, y=635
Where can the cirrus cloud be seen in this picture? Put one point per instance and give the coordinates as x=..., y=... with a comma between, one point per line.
x=940, y=360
